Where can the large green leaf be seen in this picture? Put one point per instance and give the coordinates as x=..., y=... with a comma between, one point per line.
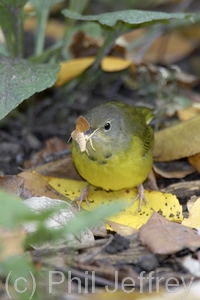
x=20, y=79
x=130, y=18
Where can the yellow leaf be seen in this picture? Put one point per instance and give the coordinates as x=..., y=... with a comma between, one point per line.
x=178, y=141
x=188, y=113
x=72, y=69
x=114, y=64
x=194, y=160
x=75, y=67
x=166, y=204
x=194, y=216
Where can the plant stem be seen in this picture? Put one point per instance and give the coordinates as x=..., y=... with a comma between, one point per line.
x=87, y=77
x=76, y=6
x=103, y=51
x=19, y=34
x=42, y=20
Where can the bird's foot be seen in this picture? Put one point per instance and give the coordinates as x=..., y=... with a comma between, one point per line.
x=83, y=197
x=141, y=196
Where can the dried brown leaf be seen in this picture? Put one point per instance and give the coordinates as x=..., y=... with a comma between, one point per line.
x=61, y=168
x=164, y=237
x=53, y=146
x=84, y=45
x=169, y=48
x=12, y=183
x=36, y=186
x=11, y=242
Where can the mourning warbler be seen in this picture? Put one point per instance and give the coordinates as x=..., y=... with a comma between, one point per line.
x=112, y=146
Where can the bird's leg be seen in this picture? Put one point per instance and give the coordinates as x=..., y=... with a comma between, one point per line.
x=83, y=196
x=141, y=196
x=152, y=181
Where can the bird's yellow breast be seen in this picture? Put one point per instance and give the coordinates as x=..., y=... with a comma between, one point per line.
x=117, y=170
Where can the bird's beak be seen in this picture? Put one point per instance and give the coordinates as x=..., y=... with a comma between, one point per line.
x=88, y=132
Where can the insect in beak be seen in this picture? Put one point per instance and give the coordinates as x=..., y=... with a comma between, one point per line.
x=82, y=134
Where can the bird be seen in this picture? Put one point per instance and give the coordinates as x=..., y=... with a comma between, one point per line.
x=112, y=147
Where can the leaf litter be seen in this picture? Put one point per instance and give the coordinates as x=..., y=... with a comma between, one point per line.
x=102, y=267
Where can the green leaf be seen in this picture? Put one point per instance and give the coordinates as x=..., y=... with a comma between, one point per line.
x=20, y=79
x=3, y=50
x=14, y=263
x=131, y=18
x=21, y=272
x=13, y=210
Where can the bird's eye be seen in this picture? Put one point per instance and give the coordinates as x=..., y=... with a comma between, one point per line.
x=107, y=126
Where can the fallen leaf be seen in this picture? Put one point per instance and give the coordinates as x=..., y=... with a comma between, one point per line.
x=11, y=242
x=167, y=204
x=164, y=237
x=53, y=147
x=99, y=230
x=169, y=48
x=123, y=230
x=13, y=184
x=173, y=169
x=177, y=141
x=72, y=69
x=188, y=113
x=55, y=221
x=115, y=64
x=61, y=168
x=184, y=189
x=75, y=67
x=191, y=33
x=194, y=215
x=191, y=202
x=166, y=49
x=84, y=45
x=194, y=160
x=36, y=186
